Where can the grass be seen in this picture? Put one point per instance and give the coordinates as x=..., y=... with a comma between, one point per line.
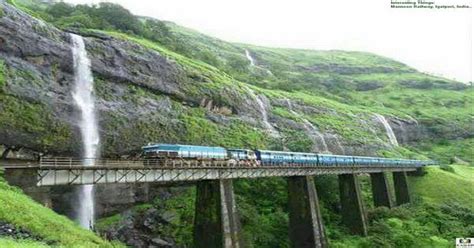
x=21, y=211
x=22, y=243
x=441, y=187
x=445, y=151
x=107, y=222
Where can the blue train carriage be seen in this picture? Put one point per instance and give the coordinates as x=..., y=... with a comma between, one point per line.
x=160, y=154
x=306, y=159
x=279, y=158
x=368, y=161
x=242, y=157
x=335, y=160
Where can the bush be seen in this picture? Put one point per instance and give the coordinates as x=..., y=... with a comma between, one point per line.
x=378, y=213
x=447, y=168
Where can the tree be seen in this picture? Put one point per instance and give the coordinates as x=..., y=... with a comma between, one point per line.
x=156, y=30
x=60, y=9
x=117, y=16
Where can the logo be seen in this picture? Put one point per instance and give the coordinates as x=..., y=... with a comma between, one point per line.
x=465, y=242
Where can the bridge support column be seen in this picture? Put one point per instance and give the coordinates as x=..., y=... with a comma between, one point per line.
x=306, y=226
x=381, y=190
x=400, y=183
x=353, y=211
x=216, y=221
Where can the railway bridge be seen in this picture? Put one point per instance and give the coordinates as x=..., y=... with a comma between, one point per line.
x=217, y=221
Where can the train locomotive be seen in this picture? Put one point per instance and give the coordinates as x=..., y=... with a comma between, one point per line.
x=207, y=155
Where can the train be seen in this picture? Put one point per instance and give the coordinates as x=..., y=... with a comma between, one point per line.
x=172, y=152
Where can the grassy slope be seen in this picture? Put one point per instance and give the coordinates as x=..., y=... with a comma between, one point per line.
x=335, y=91
x=332, y=86
x=441, y=214
x=21, y=211
x=11, y=243
x=441, y=186
x=401, y=91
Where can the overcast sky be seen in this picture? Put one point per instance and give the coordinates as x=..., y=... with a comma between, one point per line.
x=433, y=41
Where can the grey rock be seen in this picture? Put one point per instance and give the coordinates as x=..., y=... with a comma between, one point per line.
x=160, y=243
x=142, y=95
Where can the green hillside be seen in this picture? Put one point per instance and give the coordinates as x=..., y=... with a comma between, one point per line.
x=42, y=222
x=336, y=91
x=346, y=87
x=451, y=184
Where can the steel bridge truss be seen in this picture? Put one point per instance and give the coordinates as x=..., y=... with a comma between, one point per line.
x=69, y=172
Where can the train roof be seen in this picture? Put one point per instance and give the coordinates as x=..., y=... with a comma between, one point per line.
x=288, y=152
x=181, y=146
x=304, y=153
x=239, y=149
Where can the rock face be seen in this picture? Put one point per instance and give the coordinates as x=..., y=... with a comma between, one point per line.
x=10, y=231
x=145, y=95
x=142, y=228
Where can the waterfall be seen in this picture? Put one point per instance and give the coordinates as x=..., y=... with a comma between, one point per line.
x=316, y=136
x=388, y=129
x=84, y=99
x=338, y=144
x=249, y=57
x=263, y=111
x=252, y=63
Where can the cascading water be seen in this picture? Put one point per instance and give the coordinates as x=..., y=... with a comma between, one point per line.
x=252, y=62
x=84, y=99
x=263, y=111
x=318, y=138
x=249, y=57
x=388, y=129
x=338, y=144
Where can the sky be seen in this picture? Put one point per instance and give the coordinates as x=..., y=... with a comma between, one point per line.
x=438, y=42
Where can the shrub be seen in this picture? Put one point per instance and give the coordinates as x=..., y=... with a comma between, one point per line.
x=447, y=168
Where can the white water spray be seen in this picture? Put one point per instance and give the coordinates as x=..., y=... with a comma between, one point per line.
x=84, y=99
x=252, y=62
x=338, y=143
x=249, y=57
x=388, y=129
x=263, y=111
x=316, y=136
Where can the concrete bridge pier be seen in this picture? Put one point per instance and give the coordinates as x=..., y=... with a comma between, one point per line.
x=400, y=182
x=353, y=210
x=306, y=228
x=216, y=222
x=381, y=190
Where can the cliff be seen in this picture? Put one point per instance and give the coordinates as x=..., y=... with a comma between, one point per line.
x=316, y=101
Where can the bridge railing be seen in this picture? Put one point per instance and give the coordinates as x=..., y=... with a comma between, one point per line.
x=84, y=163
x=65, y=162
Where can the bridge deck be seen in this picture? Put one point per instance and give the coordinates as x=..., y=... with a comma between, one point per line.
x=67, y=171
x=98, y=175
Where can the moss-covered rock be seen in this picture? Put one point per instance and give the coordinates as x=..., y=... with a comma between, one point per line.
x=147, y=92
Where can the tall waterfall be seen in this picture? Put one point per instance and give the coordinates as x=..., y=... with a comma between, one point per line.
x=263, y=111
x=388, y=129
x=84, y=99
x=315, y=135
x=249, y=57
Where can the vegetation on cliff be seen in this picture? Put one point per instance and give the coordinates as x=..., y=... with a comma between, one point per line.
x=337, y=91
